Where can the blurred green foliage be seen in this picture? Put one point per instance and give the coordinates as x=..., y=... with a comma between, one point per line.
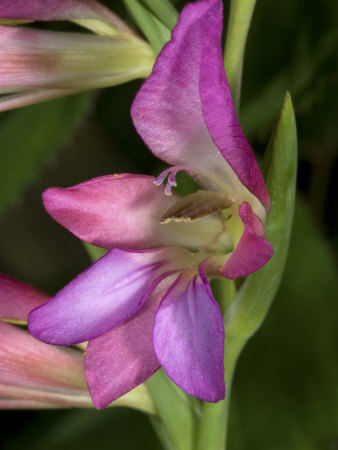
x=119, y=429
x=30, y=136
x=286, y=385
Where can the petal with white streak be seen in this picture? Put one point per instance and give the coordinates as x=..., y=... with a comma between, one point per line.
x=173, y=111
x=107, y=293
x=69, y=61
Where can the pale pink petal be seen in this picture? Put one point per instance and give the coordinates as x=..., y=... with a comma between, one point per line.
x=252, y=251
x=17, y=299
x=125, y=211
x=28, y=363
x=188, y=337
x=169, y=110
x=123, y=357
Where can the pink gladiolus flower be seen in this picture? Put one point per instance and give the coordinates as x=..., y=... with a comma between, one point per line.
x=37, y=65
x=148, y=303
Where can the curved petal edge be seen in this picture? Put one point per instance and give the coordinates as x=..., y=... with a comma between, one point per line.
x=188, y=337
x=252, y=251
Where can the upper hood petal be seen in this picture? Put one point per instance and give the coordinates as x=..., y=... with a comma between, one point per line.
x=173, y=111
x=221, y=119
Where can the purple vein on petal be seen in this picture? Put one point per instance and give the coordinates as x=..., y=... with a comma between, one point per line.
x=124, y=356
x=108, y=292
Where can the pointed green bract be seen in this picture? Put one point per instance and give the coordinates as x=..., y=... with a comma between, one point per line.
x=251, y=303
x=297, y=342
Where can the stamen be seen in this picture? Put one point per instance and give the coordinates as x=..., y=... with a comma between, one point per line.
x=162, y=176
x=171, y=173
x=194, y=206
x=172, y=178
x=171, y=182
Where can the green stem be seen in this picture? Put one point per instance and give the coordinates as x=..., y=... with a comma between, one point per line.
x=238, y=26
x=175, y=411
x=213, y=425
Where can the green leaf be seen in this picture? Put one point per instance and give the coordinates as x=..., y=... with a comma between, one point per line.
x=252, y=301
x=155, y=31
x=164, y=10
x=29, y=137
x=111, y=428
x=175, y=409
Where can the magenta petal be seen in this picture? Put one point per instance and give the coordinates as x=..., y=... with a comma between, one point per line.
x=124, y=211
x=108, y=292
x=221, y=119
x=167, y=110
x=17, y=298
x=252, y=251
x=188, y=338
x=173, y=111
x=123, y=357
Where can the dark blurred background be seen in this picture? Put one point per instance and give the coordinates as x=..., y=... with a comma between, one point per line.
x=286, y=386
